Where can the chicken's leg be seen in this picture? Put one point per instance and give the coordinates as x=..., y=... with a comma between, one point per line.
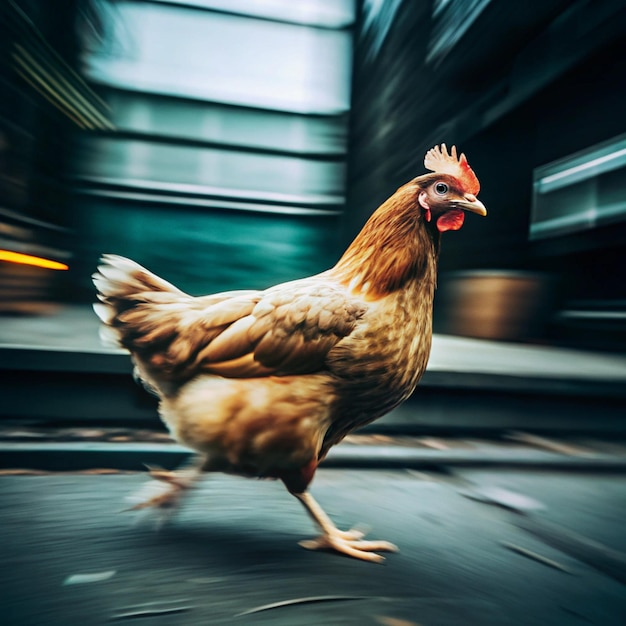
x=347, y=542
x=165, y=492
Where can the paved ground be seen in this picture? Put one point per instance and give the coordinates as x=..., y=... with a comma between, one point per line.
x=70, y=557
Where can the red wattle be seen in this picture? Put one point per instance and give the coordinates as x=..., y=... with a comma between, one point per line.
x=451, y=220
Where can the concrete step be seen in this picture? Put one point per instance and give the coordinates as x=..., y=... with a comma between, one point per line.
x=72, y=387
x=53, y=370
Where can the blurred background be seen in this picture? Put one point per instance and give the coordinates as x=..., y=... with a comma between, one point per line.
x=230, y=144
x=233, y=144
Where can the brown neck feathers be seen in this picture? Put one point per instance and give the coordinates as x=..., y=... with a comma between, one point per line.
x=394, y=247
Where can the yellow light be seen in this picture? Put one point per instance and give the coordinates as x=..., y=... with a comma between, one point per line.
x=27, y=259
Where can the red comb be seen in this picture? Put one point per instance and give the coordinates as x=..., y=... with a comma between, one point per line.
x=438, y=160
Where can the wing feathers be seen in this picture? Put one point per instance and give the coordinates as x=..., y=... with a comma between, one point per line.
x=231, y=343
x=105, y=313
x=309, y=356
x=228, y=311
x=275, y=347
x=288, y=329
x=260, y=328
x=243, y=367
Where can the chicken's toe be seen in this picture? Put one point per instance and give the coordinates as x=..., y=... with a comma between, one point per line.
x=182, y=478
x=348, y=542
x=350, y=535
x=158, y=495
x=355, y=548
x=164, y=493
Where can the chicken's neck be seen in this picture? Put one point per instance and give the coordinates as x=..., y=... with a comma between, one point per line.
x=394, y=247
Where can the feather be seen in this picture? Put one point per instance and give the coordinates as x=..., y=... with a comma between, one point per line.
x=243, y=367
x=104, y=312
x=260, y=327
x=109, y=337
x=231, y=343
x=228, y=311
x=274, y=347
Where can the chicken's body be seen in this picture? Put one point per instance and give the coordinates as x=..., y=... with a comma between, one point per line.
x=266, y=426
x=263, y=383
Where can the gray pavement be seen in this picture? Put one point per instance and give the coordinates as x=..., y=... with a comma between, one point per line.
x=230, y=554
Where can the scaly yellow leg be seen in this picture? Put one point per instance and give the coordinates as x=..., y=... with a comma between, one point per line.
x=347, y=542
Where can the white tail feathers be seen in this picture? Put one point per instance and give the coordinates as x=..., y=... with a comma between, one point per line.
x=119, y=277
x=104, y=312
x=110, y=337
x=122, y=284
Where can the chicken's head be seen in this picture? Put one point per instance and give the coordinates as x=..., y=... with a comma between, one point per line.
x=450, y=190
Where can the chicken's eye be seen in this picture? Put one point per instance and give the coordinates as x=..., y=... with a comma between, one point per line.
x=441, y=188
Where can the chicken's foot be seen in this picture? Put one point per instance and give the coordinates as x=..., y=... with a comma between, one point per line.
x=347, y=542
x=165, y=494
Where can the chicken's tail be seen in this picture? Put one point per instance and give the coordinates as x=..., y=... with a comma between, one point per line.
x=134, y=304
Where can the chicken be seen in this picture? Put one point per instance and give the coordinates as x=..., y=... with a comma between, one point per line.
x=264, y=383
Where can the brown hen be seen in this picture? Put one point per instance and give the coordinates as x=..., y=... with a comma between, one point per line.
x=263, y=383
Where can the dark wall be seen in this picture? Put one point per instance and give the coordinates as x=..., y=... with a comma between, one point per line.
x=526, y=84
x=38, y=102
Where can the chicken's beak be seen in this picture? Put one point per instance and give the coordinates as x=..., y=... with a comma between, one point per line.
x=473, y=204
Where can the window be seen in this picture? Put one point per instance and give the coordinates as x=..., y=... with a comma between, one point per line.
x=580, y=192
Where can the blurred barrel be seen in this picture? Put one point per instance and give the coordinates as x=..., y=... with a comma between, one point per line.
x=503, y=305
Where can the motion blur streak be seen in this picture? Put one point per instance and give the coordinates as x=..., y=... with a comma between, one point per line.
x=27, y=259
